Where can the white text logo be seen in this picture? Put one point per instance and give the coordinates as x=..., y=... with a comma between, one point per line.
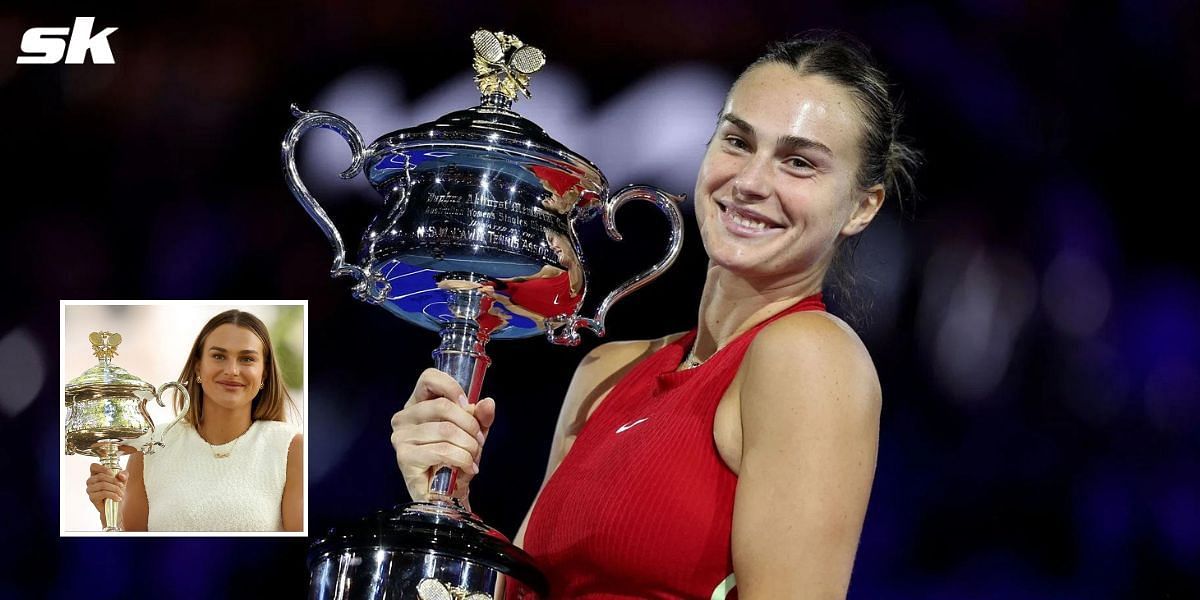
x=45, y=46
x=628, y=426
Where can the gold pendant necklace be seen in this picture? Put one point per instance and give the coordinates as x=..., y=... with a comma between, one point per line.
x=227, y=453
x=222, y=454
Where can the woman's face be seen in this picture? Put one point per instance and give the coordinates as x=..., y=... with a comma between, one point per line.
x=231, y=367
x=777, y=186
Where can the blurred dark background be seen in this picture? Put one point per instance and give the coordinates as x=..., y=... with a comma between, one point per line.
x=1033, y=315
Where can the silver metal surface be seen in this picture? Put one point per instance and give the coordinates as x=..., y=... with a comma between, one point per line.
x=365, y=290
x=567, y=332
x=391, y=573
x=481, y=191
x=402, y=574
x=106, y=413
x=477, y=239
x=422, y=550
x=461, y=355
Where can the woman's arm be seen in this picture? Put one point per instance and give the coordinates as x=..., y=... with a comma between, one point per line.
x=810, y=403
x=292, y=507
x=135, y=509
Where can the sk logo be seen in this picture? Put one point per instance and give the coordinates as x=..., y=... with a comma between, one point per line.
x=44, y=46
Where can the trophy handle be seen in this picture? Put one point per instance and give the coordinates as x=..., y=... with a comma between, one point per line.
x=566, y=333
x=369, y=287
x=153, y=443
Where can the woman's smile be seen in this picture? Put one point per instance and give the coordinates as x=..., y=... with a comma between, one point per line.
x=776, y=187
x=743, y=222
x=232, y=386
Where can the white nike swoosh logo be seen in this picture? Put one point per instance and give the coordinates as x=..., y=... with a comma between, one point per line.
x=628, y=426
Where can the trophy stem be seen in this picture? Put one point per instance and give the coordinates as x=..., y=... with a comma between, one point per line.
x=110, y=458
x=462, y=356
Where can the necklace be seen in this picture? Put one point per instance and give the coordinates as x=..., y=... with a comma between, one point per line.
x=691, y=362
x=228, y=452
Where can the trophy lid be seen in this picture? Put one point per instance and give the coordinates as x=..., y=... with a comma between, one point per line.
x=106, y=376
x=503, y=66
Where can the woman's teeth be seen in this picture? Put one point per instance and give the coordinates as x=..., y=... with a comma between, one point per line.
x=744, y=222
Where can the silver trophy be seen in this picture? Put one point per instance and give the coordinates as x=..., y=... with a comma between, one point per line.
x=106, y=413
x=477, y=241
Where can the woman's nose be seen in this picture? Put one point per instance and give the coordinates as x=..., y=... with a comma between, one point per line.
x=753, y=180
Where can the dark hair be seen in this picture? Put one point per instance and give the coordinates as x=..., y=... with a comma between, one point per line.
x=887, y=158
x=271, y=401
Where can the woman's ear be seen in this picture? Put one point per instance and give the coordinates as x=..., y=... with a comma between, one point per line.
x=869, y=203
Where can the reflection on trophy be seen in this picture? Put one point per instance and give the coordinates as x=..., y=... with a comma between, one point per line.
x=477, y=241
x=106, y=413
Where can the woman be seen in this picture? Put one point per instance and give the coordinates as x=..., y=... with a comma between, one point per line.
x=740, y=453
x=232, y=463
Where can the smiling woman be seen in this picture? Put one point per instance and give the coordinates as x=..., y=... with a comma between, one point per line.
x=234, y=463
x=735, y=459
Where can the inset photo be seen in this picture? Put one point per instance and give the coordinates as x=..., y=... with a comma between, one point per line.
x=183, y=418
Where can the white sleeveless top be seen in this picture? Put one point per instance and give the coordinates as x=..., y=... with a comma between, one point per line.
x=190, y=489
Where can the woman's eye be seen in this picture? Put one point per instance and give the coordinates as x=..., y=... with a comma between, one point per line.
x=799, y=163
x=218, y=356
x=247, y=359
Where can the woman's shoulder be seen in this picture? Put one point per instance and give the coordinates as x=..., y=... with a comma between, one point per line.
x=626, y=349
x=812, y=330
x=277, y=430
x=809, y=344
x=617, y=357
x=272, y=425
x=599, y=371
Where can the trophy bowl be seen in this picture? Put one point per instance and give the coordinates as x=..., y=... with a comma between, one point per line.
x=476, y=240
x=106, y=413
x=479, y=199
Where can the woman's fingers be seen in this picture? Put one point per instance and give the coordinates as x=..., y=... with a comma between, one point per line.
x=446, y=454
x=485, y=413
x=435, y=384
x=445, y=431
x=438, y=409
x=100, y=497
x=103, y=485
x=101, y=471
x=105, y=488
x=417, y=461
x=437, y=427
x=411, y=443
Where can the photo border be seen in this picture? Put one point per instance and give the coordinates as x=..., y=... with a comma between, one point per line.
x=64, y=378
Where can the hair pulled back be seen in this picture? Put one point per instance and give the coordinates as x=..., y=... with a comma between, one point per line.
x=886, y=158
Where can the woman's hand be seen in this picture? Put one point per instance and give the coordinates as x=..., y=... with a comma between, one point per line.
x=103, y=485
x=438, y=427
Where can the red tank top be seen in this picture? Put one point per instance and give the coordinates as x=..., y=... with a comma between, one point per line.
x=642, y=505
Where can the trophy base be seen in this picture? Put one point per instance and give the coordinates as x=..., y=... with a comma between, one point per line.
x=421, y=551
